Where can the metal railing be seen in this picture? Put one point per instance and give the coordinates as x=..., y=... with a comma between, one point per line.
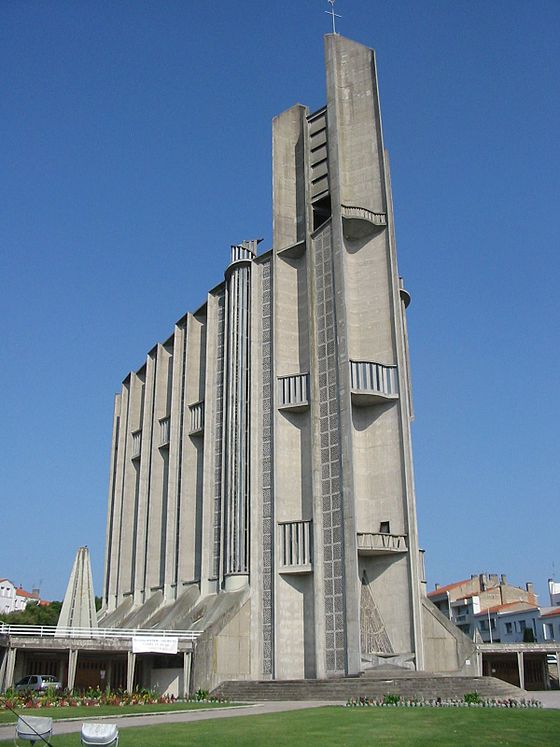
x=53, y=631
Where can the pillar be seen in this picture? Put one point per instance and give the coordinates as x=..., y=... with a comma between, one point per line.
x=10, y=665
x=521, y=668
x=72, y=663
x=479, y=669
x=236, y=462
x=187, y=662
x=3, y=668
x=131, y=663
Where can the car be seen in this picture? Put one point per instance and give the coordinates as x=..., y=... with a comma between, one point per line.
x=40, y=682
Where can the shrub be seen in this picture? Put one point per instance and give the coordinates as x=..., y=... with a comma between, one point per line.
x=472, y=697
x=391, y=699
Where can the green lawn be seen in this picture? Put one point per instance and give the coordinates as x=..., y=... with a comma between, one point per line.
x=86, y=712
x=340, y=726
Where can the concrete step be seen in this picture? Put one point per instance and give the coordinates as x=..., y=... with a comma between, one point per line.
x=426, y=687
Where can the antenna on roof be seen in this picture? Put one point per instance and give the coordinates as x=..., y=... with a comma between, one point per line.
x=333, y=15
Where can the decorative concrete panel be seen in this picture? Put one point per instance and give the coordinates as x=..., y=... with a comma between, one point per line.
x=220, y=319
x=267, y=481
x=329, y=425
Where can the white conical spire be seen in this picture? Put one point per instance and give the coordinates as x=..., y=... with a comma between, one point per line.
x=78, y=608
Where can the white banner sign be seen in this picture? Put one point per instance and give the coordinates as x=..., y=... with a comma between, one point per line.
x=154, y=644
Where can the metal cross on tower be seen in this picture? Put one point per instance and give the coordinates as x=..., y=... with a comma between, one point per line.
x=332, y=14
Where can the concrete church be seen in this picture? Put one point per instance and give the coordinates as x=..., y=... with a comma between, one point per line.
x=261, y=480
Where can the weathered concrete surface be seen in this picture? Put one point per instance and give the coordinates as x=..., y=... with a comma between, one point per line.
x=78, y=607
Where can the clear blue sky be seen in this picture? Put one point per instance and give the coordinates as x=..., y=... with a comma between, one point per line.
x=136, y=146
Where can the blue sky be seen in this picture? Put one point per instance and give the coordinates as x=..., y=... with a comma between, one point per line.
x=136, y=146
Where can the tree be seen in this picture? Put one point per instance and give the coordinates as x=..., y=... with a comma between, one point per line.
x=34, y=614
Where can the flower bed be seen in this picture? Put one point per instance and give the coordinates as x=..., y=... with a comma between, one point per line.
x=95, y=697
x=470, y=700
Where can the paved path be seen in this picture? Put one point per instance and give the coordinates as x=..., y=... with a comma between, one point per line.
x=549, y=698
x=172, y=717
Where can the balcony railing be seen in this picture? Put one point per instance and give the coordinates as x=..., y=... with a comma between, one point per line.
x=293, y=392
x=197, y=418
x=358, y=222
x=54, y=631
x=379, y=543
x=164, y=431
x=372, y=383
x=296, y=547
x=136, y=444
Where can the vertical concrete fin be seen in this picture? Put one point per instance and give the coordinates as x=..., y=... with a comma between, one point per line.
x=78, y=607
x=355, y=124
x=288, y=177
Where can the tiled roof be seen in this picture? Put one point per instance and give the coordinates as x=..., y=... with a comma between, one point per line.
x=551, y=612
x=26, y=594
x=520, y=606
x=443, y=589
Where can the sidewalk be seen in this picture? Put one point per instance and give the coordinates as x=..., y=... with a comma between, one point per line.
x=549, y=698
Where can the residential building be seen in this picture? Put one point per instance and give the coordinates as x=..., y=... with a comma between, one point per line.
x=15, y=599
x=519, y=622
x=462, y=601
x=554, y=592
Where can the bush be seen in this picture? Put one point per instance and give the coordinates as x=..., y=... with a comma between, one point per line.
x=472, y=697
x=390, y=699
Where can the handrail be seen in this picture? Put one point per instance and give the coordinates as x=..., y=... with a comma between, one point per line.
x=53, y=631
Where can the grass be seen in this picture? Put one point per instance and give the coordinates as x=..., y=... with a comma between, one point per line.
x=87, y=712
x=339, y=727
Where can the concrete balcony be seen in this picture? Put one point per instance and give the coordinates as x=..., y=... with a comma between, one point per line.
x=164, y=431
x=293, y=392
x=197, y=418
x=373, y=383
x=358, y=222
x=404, y=294
x=136, y=444
x=379, y=543
x=296, y=554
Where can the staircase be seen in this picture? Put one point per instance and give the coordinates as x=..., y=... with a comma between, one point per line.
x=419, y=685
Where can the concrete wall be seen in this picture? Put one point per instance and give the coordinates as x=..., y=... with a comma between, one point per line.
x=446, y=648
x=167, y=681
x=223, y=651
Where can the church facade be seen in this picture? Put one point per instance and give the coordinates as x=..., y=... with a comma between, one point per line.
x=261, y=480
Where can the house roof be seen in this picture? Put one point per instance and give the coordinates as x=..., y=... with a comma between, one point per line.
x=550, y=612
x=508, y=607
x=26, y=594
x=448, y=587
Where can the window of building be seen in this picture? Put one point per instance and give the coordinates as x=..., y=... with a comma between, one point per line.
x=385, y=527
x=548, y=631
x=509, y=627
